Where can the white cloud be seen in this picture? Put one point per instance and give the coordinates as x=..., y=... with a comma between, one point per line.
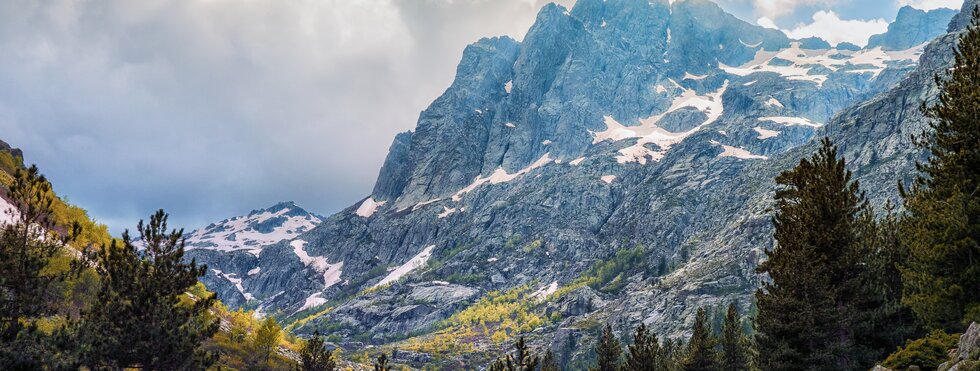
x=932, y=4
x=773, y=9
x=767, y=23
x=829, y=26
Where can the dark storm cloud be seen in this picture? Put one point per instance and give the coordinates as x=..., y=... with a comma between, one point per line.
x=213, y=108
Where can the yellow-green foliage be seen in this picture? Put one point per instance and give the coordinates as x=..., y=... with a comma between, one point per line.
x=64, y=213
x=93, y=234
x=9, y=164
x=507, y=314
x=927, y=353
x=447, y=341
x=532, y=246
x=374, y=289
x=236, y=346
x=302, y=321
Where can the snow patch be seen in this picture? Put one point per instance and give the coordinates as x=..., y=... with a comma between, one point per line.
x=510, y=125
x=331, y=272
x=648, y=132
x=608, y=178
x=765, y=133
x=577, y=161
x=750, y=46
x=446, y=211
x=736, y=152
x=8, y=213
x=501, y=176
x=792, y=121
x=689, y=76
x=545, y=291
x=312, y=301
x=368, y=207
x=773, y=102
x=508, y=86
x=801, y=63
x=546, y=142
x=254, y=271
x=237, y=282
x=414, y=263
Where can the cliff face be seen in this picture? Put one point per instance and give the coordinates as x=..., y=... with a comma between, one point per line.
x=642, y=137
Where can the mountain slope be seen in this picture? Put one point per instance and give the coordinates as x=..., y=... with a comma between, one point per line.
x=231, y=249
x=616, y=165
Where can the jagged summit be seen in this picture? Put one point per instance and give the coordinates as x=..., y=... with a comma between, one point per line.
x=913, y=27
x=257, y=229
x=516, y=106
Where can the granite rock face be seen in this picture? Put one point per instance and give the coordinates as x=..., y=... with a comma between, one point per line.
x=613, y=126
x=913, y=27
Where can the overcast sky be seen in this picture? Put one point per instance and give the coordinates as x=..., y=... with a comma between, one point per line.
x=212, y=108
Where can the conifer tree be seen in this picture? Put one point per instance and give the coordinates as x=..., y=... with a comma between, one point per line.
x=315, y=357
x=521, y=360
x=809, y=311
x=548, y=362
x=942, y=222
x=882, y=320
x=608, y=351
x=27, y=246
x=140, y=319
x=644, y=354
x=382, y=363
x=701, y=354
x=735, y=356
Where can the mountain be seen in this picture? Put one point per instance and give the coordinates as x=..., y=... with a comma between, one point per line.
x=230, y=248
x=615, y=167
x=913, y=27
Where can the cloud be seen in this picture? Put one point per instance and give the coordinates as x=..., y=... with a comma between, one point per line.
x=767, y=23
x=932, y=4
x=829, y=26
x=211, y=108
x=773, y=9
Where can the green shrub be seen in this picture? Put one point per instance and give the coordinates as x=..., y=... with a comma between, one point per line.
x=927, y=353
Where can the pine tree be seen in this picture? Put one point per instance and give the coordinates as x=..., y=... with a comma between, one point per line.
x=808, y=312
x=644, y=354
x=942, y=222
x=382, y=363
x=521, y=360
x=27, y=246
x=548, y=362
x=608, y=351
x=673, y=353
x=662, y=268
x=882, y=321
x=315, y=357
x=140, y=319
x=735, y=356
x=701, y=354
x=267, y=338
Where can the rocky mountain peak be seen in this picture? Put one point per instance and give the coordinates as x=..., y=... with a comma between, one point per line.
x=255, y=230
x=913, y=27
